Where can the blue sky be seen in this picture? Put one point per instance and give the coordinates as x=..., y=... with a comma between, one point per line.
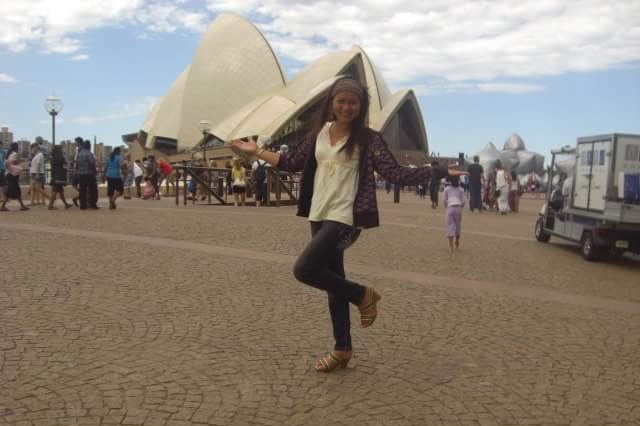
x=547, y=70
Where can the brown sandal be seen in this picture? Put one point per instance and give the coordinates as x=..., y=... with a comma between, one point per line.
x=368, y=307
x=332, y=360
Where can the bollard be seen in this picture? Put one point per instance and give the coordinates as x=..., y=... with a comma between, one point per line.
x=396, y=193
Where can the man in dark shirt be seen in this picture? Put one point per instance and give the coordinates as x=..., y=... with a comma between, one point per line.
x=476, y=176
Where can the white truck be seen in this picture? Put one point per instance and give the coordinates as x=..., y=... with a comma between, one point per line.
x=599, y=205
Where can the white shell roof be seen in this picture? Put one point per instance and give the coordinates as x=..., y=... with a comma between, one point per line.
x=237, y=83
x=232, y=66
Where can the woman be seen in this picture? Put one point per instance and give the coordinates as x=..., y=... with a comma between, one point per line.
x=503, y=183
x=453, y=199
x=338, y=194
x=239, y=179
x=58, y=176
x=115, y=185
x=12, y=165
x=36, y=171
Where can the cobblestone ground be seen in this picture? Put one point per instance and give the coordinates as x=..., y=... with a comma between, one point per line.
x=161, y=315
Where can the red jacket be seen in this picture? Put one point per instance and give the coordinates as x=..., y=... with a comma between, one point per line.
x=166, y=168
x=375, y=156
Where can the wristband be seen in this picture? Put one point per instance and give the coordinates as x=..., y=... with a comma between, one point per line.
x=259, y=151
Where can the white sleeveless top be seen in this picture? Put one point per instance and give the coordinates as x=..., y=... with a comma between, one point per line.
x=336, y=181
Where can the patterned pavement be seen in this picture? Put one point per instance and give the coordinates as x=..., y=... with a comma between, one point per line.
x=160, y=315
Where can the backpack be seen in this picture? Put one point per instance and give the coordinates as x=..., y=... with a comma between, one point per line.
x=261, y=172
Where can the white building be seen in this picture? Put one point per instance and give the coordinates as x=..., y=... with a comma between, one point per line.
x=236, y=82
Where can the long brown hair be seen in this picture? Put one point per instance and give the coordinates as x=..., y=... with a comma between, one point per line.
x=359, y=131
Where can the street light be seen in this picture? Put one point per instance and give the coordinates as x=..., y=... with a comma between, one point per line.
x=204, y=127
x=53, y=105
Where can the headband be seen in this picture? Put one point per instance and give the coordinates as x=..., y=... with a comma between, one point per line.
x=349, y=85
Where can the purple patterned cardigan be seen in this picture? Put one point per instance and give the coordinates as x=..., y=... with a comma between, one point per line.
x=376, y=156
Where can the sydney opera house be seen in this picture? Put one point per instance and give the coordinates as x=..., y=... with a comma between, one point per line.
x=237, y=84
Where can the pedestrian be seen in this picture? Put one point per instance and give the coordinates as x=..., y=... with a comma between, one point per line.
x=3, y=179
x=149, y=191
x=138, y=173
x=453, y=199
x=259, y=168
x=167, y=173
x=86, y=172
x=113, y=174
x=36, y=171
x=239, y=179
x=434, y=188
x=421, y=191
x=503, y=182
x=93, y=187
x=476, y=181
x=338, y=195
x=490, y=190
x=58, y=177
x=75, y=179
x=127, y=175
x=13, y=169
x=154, y=175
x=515, y=190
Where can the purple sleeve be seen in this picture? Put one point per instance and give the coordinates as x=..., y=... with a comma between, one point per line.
x=387, y=166
x=295, y=161
x=445, y=196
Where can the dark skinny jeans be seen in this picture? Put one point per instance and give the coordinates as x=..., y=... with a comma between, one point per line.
x=321, y=265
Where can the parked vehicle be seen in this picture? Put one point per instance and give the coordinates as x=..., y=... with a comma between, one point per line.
x=598, y=206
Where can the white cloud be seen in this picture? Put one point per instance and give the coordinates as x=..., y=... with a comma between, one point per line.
x=409, y=40
x=509, y=87
x=168, y=18
x=133, y=109
x=455, y=40
x=422, y=89
x=81, y=57
x=6, y=78
x=57, y=25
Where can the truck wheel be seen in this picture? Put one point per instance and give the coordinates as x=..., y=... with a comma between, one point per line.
x=541, y=236
x=590, y=251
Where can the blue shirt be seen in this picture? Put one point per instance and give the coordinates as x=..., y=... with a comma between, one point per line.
x=2, y=154
x=113, y=169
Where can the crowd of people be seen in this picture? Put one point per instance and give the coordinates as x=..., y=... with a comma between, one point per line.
x=120, y=174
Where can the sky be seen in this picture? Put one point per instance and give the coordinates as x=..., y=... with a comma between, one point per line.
x=550, y=71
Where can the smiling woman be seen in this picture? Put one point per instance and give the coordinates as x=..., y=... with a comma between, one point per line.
x=338, y=196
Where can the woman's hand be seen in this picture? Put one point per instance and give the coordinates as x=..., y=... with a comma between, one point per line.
x=247, y=148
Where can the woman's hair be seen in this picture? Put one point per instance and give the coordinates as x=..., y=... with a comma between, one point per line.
x=359, y=131
x=455, y=181
x=115, y=152
x=514, y=176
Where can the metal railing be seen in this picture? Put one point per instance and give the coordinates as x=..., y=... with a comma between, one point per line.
x=282, y=187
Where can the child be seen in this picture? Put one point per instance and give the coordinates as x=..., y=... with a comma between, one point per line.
x=453, y=197
x=149, y=190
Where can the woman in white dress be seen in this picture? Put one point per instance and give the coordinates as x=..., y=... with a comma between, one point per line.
x=503, y=183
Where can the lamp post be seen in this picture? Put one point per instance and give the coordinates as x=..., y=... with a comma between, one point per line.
x=204, y=126
x=53, y=105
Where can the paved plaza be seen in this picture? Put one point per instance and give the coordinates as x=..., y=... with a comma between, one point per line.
x=160, y=315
